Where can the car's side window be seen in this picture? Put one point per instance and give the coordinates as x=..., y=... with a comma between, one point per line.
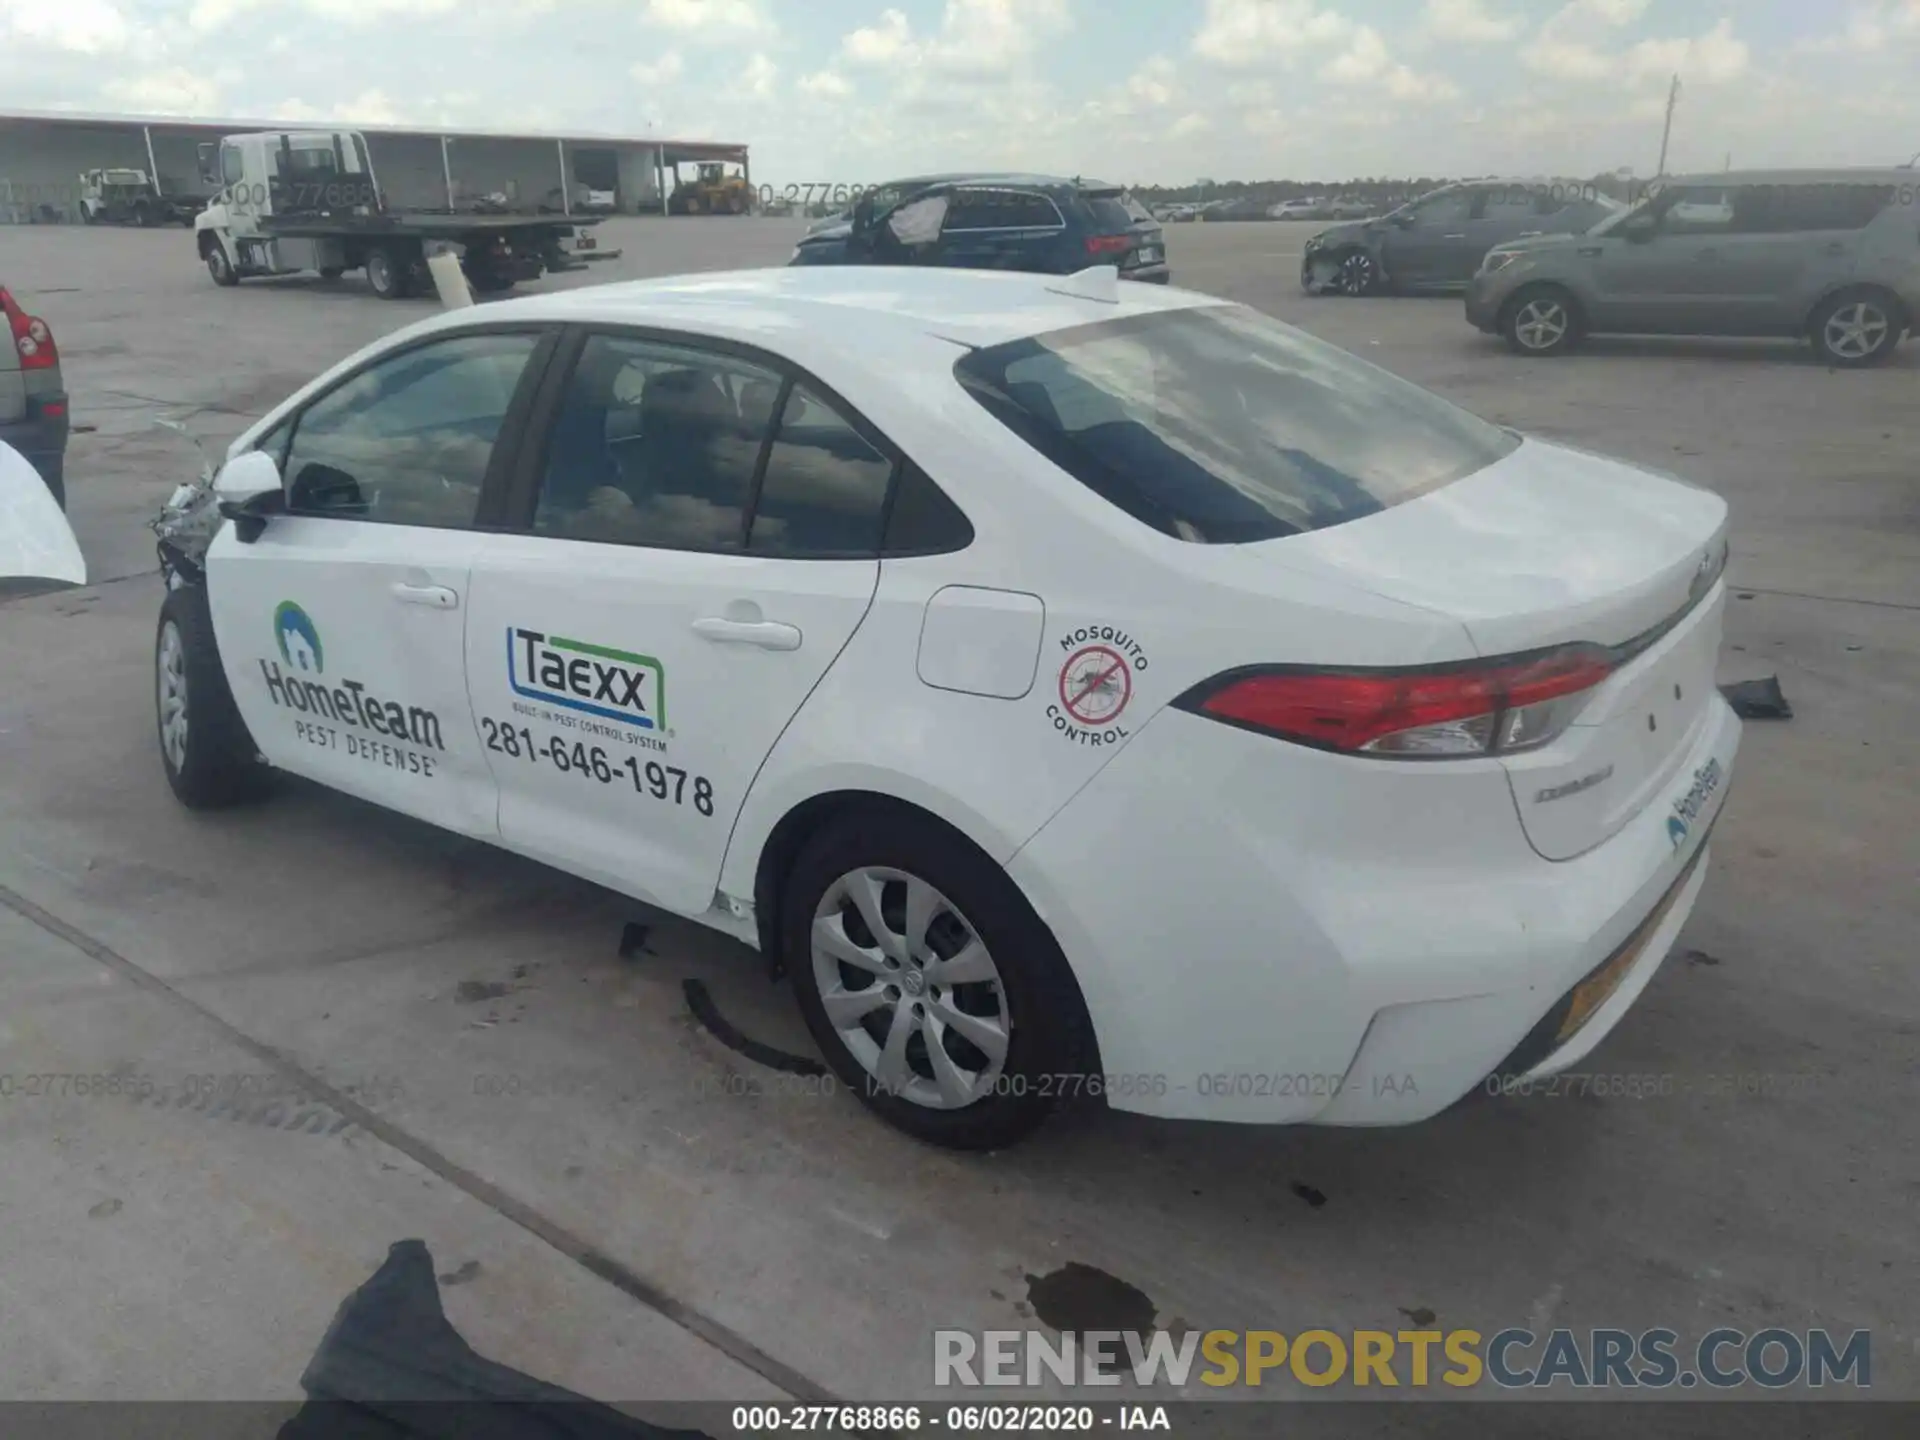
x=976, y=210
x=1827, y=206
x=825, y=487
x=656, y=444
x=407, y=440
x=1453, y=208
x=1029, y=210
x=1700, y=210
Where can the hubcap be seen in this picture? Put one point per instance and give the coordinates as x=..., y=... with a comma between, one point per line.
x=910, y=989
x=1540, y=324
x=1356, y=274
x=172, y=678
x=1856, y=331
x=379, y=272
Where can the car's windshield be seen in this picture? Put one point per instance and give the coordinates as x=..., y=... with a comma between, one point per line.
x=1217, y=424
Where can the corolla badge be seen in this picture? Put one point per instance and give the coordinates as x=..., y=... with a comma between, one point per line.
x=298, y=638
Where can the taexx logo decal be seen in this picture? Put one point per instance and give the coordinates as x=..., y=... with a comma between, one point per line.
x=613, y=684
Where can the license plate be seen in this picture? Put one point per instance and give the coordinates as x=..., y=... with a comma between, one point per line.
x=1148, y=255
x=585, y=242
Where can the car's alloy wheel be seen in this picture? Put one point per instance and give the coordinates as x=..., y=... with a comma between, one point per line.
x=1856, y=331
x=1542, y=323
x=1359, y=275
x=171, y=677
x=910, y=988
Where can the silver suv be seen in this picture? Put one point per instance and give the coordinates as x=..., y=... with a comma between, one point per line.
x=1831, y=255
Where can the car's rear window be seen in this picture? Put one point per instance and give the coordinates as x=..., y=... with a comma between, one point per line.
x=1110, y=213
x=1218, y=425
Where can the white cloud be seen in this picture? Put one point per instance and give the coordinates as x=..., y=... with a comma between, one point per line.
x=824, y=85
x=1470, y=21
x=710, y=19
x=376, y=12
x=1713, y=58
x=369, y=107
x=1257, y=32
x=173, y=91
x=1191, y=124
x=759, y=77
x=1366, y=61
x=1874, y=28
x=879, y=43
x=1571, y=47
x=663, y=71
x=87, y=27
x=1152, y=84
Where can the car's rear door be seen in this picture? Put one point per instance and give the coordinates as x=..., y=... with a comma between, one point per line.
x=341, y=624
x=695, y=540
x=1001, y=228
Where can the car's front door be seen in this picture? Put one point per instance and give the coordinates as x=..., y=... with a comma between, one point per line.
x=341, y=624
x=1672, y=279
x=1423, y=245
x=700, y=541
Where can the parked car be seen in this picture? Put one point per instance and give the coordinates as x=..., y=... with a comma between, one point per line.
x=1828, y=255
x=33, y=397
x=969, y=643
x=1244, y=208
x=994, y=222
x=1353, y=208
x=1436, y=241
x=1310, y=208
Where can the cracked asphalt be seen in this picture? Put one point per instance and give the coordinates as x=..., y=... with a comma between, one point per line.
x=620, y=1204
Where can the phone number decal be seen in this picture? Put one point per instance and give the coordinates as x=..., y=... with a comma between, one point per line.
x=591, y=762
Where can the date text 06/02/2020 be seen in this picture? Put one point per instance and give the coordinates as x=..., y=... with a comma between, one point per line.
x=955, y=1419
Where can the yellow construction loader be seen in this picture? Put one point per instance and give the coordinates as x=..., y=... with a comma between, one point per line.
x=716, y=189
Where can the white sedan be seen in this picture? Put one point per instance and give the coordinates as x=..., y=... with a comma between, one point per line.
x=1078, y=688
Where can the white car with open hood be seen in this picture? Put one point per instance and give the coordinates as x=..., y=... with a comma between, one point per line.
x=1078, y=688
x=36, y=542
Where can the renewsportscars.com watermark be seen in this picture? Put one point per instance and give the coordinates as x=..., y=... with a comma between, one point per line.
x=1512, y=1359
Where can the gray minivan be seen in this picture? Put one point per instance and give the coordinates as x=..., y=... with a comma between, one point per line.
x=1829, y=255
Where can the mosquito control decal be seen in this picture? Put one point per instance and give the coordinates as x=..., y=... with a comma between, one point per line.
x=1098, y=669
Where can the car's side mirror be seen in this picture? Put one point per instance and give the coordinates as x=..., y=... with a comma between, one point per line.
x=1405, y=219
x=248, y=490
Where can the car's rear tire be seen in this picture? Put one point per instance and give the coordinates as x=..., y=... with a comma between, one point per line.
x=208, y=756
x=970, y=1064
x=219, y=266
x=1858, y=328
x=1541, y=320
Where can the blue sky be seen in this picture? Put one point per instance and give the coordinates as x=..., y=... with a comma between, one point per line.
x=1147, y=91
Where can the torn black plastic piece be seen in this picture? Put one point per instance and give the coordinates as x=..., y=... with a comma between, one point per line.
x=704, y=1010
x=391, y=1367
x=1758, y=699
x=633, y=939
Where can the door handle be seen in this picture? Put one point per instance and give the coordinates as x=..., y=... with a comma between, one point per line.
x=1707, y=254
x=435, y=597
x=765, y=634
x=1836, y=248
x=1591, y=250
x=1458, y=235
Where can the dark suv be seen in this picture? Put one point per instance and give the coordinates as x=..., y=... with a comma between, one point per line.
x=994, y=222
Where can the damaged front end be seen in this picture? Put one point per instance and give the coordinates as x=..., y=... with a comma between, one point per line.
x=187, y=523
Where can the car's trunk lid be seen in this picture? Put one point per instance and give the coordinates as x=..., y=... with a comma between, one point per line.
x=1551, y=546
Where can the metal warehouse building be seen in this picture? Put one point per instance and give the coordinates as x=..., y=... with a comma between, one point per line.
x=42, y=154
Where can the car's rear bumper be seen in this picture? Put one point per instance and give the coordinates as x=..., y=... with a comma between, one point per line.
x=1266, y=933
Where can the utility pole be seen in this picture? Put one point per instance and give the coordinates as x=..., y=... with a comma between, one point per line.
x=1666, y=132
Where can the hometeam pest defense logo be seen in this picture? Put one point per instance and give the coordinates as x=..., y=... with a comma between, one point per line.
x=1095, y=686
x=298, y=638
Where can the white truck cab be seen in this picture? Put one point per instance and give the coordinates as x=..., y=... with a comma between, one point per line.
x=281, y=173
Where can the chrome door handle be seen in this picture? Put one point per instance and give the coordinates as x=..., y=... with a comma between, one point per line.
x=1591, y=250
x=766, y=634
x=436, y=597
x=1460, y=236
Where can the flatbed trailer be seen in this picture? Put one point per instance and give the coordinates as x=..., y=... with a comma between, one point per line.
x=295, y=201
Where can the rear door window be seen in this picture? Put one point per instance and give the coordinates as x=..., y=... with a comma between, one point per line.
x=1218, y=425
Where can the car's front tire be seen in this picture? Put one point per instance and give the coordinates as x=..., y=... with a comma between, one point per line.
x=1858, y=328
x=209, y=757
x=219, y=267
x=1541, y=320
x=931, y=987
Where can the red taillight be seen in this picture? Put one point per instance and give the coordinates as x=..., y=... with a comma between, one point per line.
x=1109, y=244
x=1487, y=708
x=32, y=340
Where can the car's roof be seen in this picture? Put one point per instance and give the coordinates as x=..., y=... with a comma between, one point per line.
x=998, y=177
x=937, y=305
x=1845, y=175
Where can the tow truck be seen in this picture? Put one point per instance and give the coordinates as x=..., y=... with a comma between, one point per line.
x=293, y=201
